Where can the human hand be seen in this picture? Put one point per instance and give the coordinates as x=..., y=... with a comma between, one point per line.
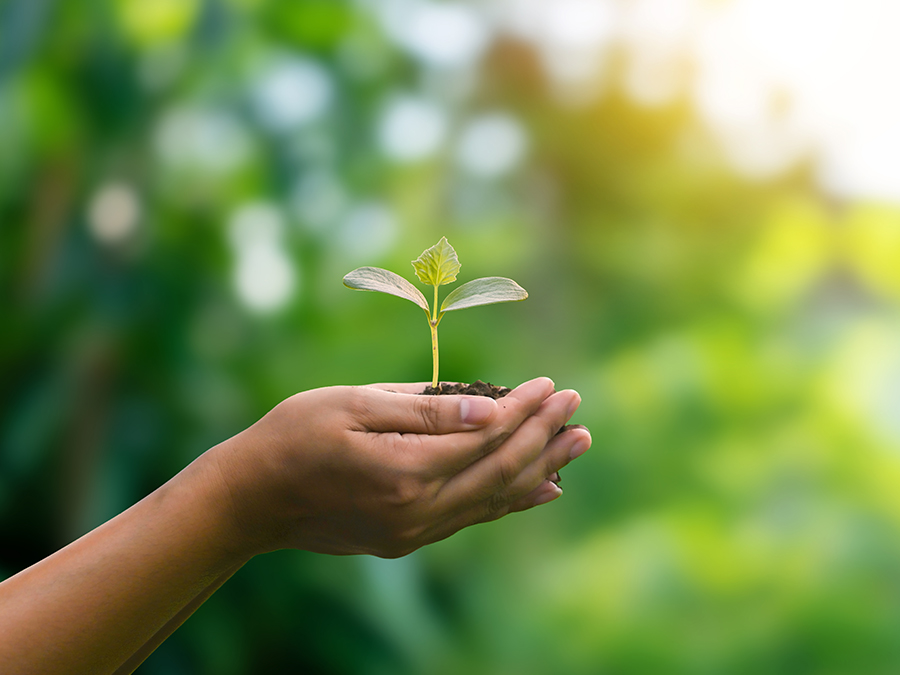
x=384, y=471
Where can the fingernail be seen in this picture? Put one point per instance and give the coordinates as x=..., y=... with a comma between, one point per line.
x=573, y=406
x=548, y=495
x=538, y=383
x=581, y=446
x=476, y=409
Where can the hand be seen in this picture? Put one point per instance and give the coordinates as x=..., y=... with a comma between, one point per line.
x=337, y=470
x=382, y=470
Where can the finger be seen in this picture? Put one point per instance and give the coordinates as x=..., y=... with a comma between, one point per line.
x=555, y=477
x=536, y=484
x=453, y=454
x=561, y=450
x=440, y=432
x=400, y=387
x=385, y=411
x=544, y=493
x=490, y=480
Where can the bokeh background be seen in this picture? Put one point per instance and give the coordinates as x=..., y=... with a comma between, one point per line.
x=700, y=196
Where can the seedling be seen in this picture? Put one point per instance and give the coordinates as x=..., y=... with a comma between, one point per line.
x=437, y=266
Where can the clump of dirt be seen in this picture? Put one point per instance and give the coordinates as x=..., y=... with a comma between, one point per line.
x=477, y=388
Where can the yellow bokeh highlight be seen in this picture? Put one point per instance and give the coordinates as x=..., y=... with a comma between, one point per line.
x=634, y=384
x=150, y=22
x=871, y=247
x=792, y=251
x=859, y=379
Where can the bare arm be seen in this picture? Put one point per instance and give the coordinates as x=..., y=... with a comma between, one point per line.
x=338, y=470
x=92, y=605
x=160, y=636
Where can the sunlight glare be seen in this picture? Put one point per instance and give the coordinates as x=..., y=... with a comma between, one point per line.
x=411, y=128
x=264, y=277
x=446, y=35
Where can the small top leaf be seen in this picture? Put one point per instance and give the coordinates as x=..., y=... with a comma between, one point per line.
x=384, y=281
x=484, y=291
x=437, y=265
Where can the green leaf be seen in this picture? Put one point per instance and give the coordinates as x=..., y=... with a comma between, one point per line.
x=484, y=291
x=437, y=265
x=384, y=281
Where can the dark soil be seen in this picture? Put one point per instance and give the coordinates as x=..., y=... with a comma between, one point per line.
x=477, y=388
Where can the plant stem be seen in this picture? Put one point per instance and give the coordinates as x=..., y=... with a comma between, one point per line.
x=434, y=342
x=434, y=354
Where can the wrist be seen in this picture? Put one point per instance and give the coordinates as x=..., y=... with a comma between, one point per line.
x=240, y=471
x=212, y=482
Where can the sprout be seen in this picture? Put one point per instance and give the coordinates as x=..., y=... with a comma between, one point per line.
x=437, y=266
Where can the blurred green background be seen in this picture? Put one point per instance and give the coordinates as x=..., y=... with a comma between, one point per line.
x=698, y=196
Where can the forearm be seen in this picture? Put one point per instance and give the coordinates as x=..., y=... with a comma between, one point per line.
x=172, y=625
x=103, y=599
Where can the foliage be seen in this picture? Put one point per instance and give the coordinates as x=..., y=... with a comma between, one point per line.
x=437, y=266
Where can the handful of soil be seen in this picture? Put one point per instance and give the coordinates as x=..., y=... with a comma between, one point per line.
x=477, y=388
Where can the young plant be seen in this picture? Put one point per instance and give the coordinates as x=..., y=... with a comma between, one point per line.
x=436, y=266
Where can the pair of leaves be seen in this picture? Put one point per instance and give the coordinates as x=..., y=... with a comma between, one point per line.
x=437, y=266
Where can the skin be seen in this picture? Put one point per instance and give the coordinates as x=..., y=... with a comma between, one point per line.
x=338, y=470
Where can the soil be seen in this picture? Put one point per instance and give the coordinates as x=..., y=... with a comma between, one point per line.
x=477, y=388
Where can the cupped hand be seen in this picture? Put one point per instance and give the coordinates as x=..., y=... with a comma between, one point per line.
x=382, y=470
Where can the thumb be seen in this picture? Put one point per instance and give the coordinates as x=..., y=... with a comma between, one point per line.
x=385, y=411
